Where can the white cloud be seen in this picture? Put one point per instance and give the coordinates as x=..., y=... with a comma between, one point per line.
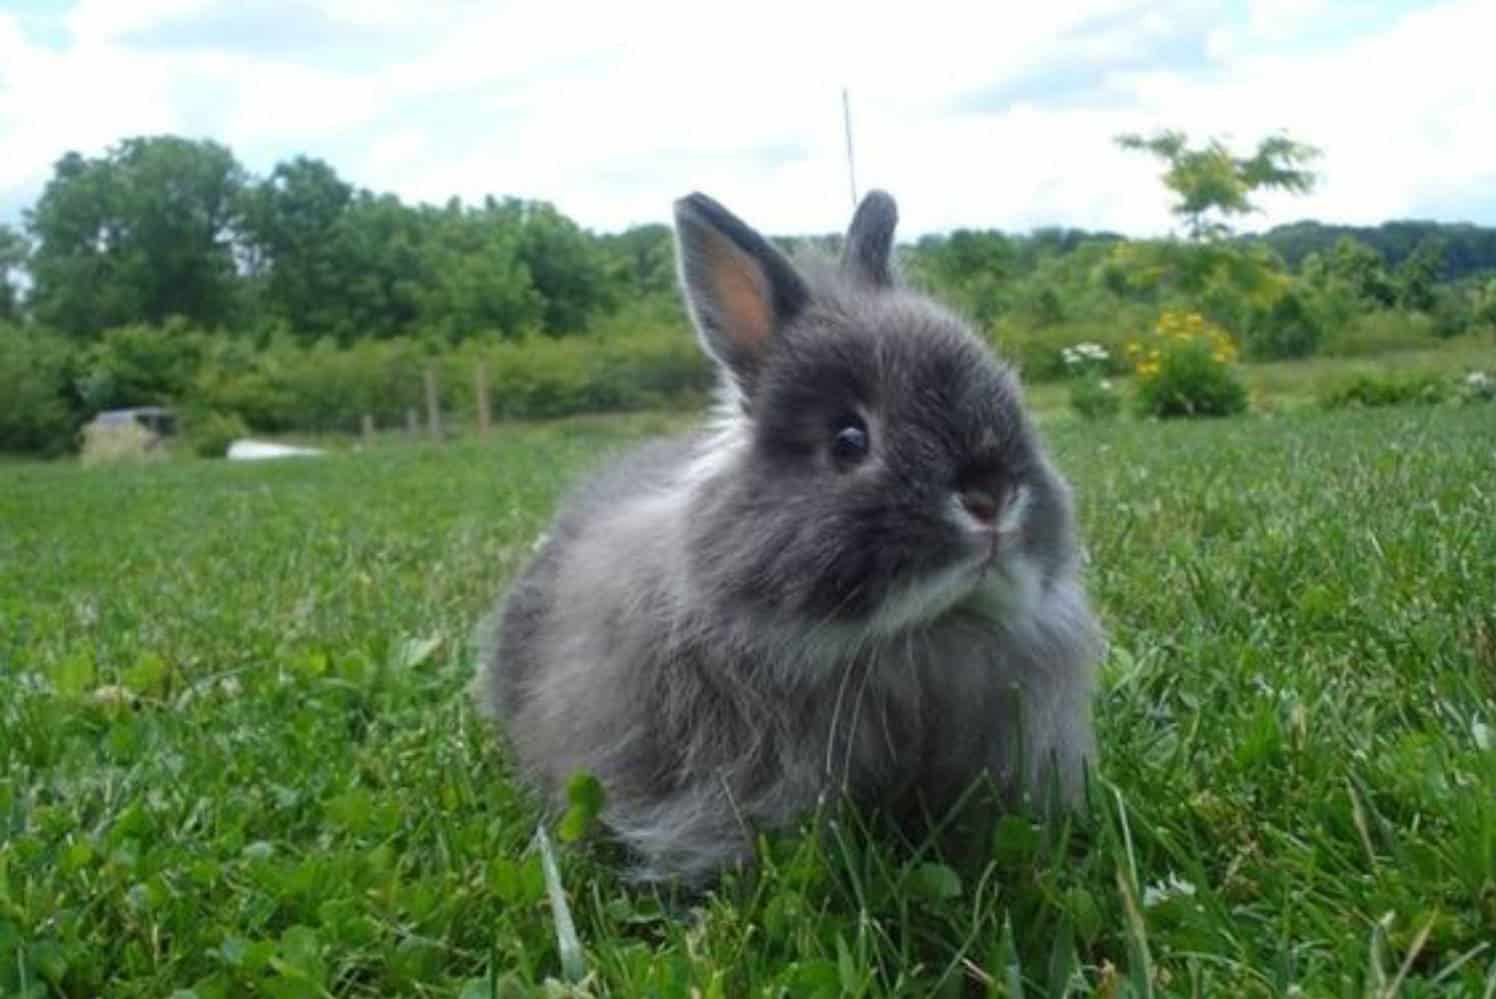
x=976, y=116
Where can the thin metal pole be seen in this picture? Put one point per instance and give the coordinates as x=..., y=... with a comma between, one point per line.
x=847, y=125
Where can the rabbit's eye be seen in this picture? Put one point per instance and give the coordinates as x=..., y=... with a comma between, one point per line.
x=849, y=446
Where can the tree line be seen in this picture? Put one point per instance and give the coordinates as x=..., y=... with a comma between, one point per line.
x=162, y=227
x=163, y=271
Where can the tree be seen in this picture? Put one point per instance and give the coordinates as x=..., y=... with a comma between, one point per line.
x=1419, y=274
x=972, y=267
x=389, y=263
x=641, y=261
x=565, y=264
x=1210, y=181
x=145, y=232
x=478, y=283
x=13, y=253
x=38, y=414
x=297, y=246
x=1360, y=271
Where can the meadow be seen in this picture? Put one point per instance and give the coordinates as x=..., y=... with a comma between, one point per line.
x=236, y=757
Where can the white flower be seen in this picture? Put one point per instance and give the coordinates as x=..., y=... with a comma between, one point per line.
x=1162, y=891
x=1081, y=354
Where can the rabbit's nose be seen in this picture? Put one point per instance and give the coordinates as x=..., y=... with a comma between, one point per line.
x=981, y=505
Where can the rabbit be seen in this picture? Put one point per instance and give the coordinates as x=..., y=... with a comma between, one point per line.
x=859, y=581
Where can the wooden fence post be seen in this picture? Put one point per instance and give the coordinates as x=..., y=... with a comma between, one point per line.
x=368, y=430
x=412, y=422
x=433, y=407
x=485, y=415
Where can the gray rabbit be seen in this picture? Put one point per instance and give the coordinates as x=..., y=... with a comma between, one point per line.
x=860, y=580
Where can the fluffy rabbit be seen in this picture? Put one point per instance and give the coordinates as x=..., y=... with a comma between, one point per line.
x=861, y=579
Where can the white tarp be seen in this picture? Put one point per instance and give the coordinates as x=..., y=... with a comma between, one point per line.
x=248, y=450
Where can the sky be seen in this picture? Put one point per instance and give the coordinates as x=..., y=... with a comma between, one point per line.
x=971, y=114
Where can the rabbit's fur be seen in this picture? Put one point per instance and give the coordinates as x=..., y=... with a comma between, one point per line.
x=725, y=627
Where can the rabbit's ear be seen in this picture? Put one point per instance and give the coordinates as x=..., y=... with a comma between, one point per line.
x=740, y=289
x=870, y=240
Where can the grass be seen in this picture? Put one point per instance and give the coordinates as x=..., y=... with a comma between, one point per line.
x=1301, y=382
x=1286, y=385
x=235, y=758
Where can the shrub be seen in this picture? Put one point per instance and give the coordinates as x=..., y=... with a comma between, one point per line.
x=1483, y=307
x=1094, y=398
x=140, y=366
x=37, y=412
x=1289, y=329
x=210, y=433
x=1385, y=390
x=1185, y=369
x=1453, y=312
x=1091, y=393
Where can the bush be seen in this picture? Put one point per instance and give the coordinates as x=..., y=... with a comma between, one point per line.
x=1385, y=390
x=237, y=377
x=1453, y=313
x=38, y=414
x=1094, y=398
x=1287, y=330
x=140, y=366
x=544, y=378
x=1185, y=369
x=1483, y=306
x=637, y=358
x=210, y=433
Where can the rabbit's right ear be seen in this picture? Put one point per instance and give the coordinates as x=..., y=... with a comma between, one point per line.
x=740, y=290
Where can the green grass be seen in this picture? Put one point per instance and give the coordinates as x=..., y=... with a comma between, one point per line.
x=1287, y=384
x=1298, y=723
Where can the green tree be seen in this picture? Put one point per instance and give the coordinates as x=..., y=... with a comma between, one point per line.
x=1241, y=286
x=566, y=264
x=297, y=245
x=1360, y=271
x=972, y=267
x=14, y=251
x=478, y=283
x=145, y=232
x=38, y=413
x=388, y=264
x=1418, y=275
x=641, y=261
x=1214, y=186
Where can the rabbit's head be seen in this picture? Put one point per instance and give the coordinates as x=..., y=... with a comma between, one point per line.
x=875, y=466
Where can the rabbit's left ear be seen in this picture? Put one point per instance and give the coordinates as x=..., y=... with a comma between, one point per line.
x=870, y=240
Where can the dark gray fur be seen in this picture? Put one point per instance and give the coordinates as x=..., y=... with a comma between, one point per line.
x=728, y=627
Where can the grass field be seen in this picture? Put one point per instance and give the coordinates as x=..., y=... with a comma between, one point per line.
x=235, y=758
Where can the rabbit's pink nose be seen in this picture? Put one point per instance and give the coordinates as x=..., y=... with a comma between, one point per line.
x=981, y=505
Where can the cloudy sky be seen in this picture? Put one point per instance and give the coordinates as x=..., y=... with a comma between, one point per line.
x=971, y=113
